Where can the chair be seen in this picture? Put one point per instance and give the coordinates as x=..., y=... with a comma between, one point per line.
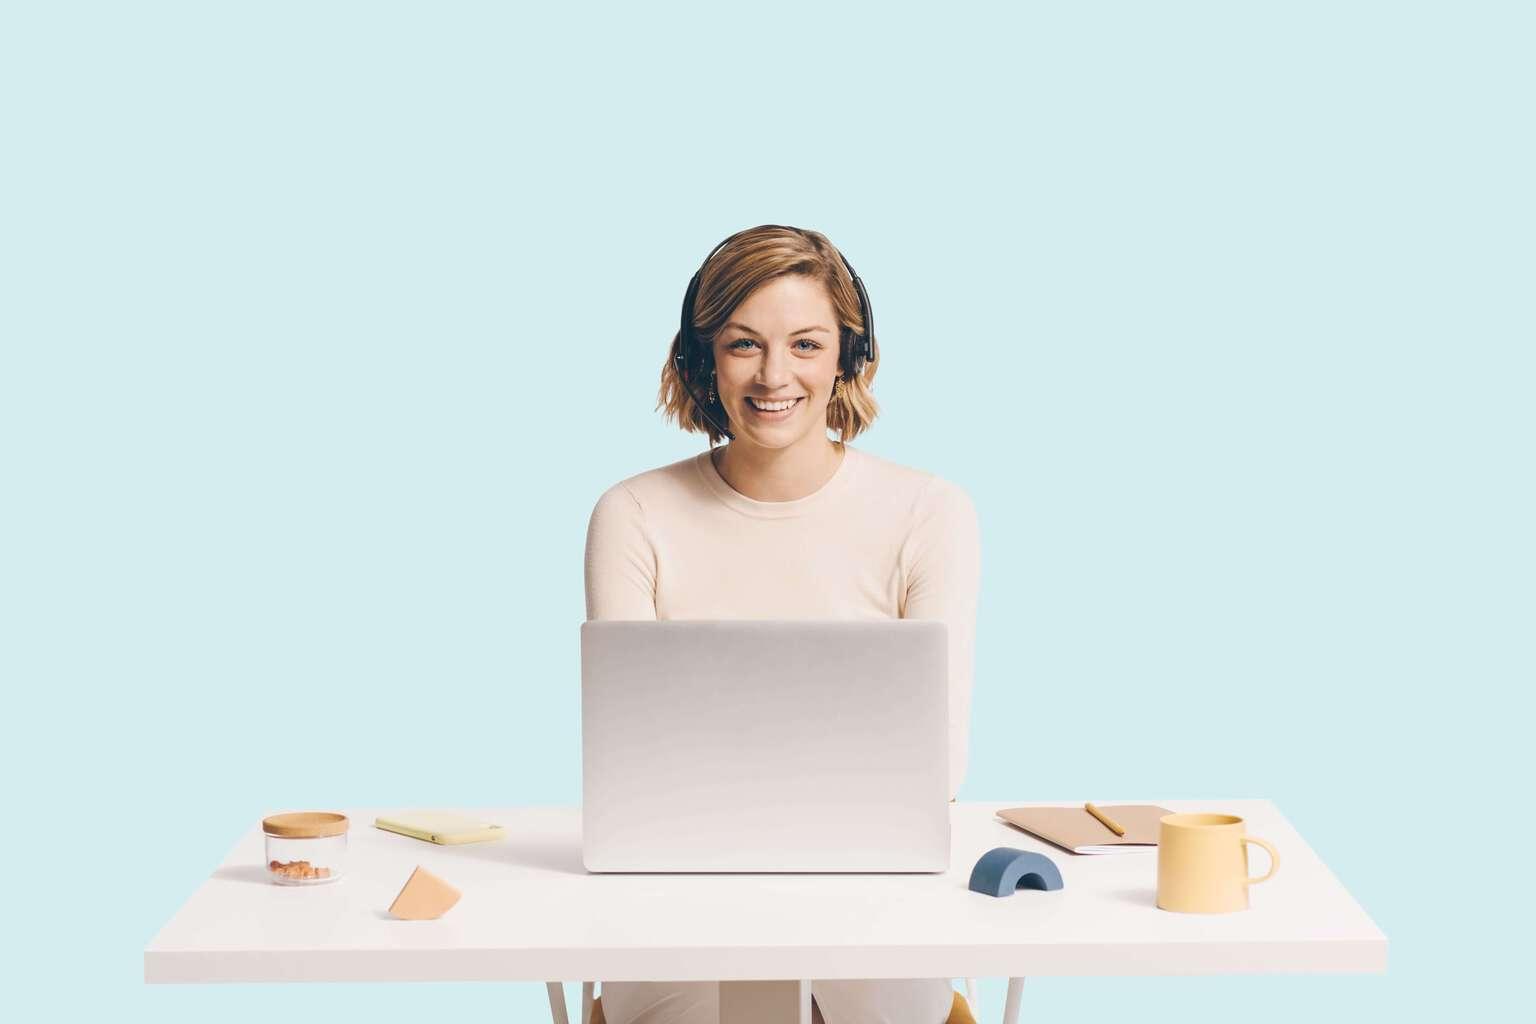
x=592, y=1008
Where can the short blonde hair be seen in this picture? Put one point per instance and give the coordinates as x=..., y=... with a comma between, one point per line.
x=745, y=262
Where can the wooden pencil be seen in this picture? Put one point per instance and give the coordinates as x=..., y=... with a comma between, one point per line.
x=1108, y=823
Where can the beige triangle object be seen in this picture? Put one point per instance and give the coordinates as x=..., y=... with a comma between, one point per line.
x=424, y=897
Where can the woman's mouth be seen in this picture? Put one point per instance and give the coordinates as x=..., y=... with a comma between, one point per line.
x=772, y=412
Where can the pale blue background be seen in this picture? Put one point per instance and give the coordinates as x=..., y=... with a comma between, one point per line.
x=325, y=325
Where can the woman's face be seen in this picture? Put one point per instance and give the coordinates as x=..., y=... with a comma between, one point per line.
x=780, y=345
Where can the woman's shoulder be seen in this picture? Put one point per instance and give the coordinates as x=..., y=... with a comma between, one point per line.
x=909, y=485
x=940, y=516
x=653, y=486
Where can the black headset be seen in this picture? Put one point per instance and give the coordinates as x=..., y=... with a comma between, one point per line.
x=860, y=347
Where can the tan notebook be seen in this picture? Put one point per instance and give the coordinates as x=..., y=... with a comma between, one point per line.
x=1074, y=829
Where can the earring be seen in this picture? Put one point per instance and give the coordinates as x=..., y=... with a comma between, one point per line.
x=837, y=386
x=710, y=400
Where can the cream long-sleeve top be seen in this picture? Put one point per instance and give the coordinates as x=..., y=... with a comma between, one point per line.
x=877, y=540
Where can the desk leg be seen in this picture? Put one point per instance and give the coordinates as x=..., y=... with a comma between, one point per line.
x=1011, y=1007
x=765, y=1002
x=557, y=1002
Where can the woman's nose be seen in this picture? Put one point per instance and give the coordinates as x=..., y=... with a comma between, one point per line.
x=771, y=372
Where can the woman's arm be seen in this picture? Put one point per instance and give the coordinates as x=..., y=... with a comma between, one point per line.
x=620, y=560
x=942, y=558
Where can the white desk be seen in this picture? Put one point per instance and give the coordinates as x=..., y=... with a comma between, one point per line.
x=531, y=912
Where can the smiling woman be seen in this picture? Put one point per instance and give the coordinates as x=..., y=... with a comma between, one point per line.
x=775, y=350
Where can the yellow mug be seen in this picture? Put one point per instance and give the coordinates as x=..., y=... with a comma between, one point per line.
x=1202, y=863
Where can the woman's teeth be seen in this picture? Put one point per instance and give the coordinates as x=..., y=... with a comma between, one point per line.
x=771, y=406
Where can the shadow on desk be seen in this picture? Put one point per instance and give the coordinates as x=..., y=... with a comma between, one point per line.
x=563, y=859
x=1144, y=897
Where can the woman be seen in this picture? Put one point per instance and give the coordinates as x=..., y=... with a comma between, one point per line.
x=783, y=522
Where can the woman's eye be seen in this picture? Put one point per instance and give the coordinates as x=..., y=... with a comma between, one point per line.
x=749, y=341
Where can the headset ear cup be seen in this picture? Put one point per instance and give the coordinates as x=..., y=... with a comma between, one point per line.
x=858, y=348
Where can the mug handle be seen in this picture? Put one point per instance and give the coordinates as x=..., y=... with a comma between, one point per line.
x=1274, y=860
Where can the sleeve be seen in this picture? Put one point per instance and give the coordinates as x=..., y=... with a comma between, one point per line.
x=620, y=559
x=943, y=561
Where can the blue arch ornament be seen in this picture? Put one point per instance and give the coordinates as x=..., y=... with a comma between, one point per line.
x=1003, y=871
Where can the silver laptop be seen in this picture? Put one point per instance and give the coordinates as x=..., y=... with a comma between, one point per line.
x=765, y=745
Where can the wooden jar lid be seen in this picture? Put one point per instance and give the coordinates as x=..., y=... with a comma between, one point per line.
x=305, y=825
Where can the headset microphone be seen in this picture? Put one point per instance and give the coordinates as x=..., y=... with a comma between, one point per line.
x=860, y=347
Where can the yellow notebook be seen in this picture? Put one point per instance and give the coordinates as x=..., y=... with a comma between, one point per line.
x=440, y=827
x=1074, y=829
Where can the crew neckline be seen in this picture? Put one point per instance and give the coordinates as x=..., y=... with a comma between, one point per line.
x=774, y=509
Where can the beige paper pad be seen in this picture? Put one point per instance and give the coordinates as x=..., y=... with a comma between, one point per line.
x=1074, y=829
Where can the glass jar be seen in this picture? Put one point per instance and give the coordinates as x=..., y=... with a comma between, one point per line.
x=305, y=847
